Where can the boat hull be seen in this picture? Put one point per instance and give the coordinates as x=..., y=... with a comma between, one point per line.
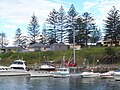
x=41, y=74
x=13, y=73
x=108, y=74
x=65, y=72
x=7, y=71
x=66, y=75
x=89, y=75
x=117, y=76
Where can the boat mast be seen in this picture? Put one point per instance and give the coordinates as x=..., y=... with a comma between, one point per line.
x=73, y=43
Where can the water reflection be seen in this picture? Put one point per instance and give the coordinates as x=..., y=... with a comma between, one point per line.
x=50, y=83
x=14, y=83
x=88, y=80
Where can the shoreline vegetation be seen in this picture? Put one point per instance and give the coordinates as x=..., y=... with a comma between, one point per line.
x=84, y=56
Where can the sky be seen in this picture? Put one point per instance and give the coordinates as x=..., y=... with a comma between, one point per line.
x=16, y=14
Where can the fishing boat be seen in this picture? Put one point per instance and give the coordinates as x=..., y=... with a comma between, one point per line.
x=17, y=68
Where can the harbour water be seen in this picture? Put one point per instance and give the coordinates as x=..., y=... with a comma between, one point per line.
x=50, y=83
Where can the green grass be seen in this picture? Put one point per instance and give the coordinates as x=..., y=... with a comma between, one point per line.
x=92, y=54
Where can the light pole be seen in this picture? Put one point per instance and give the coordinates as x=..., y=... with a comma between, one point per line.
x=97, y=62
x=84, y=62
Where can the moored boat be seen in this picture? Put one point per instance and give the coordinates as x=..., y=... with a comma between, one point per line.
x=65, y=72
x=89, y=74
x=18, y=64
x=48, y=65
x=108, y=74
x=46, y=69
x=17, y=68
x=40, y=73
x=116, y=75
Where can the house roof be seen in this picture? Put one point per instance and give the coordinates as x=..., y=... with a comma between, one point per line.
x=58, y=44
x=37, y=45
x=10, y=47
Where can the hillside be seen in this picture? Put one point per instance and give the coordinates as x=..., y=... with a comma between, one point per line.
x=90, y=54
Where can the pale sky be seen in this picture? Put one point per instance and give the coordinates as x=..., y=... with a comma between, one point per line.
x=17, y=13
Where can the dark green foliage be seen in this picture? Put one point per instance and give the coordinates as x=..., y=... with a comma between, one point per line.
x=112, y=26
x=52, y=21
x=79, y=38
x=33, y=29
x=96, y=35
x=87, y=26
x=44, y=33
x=71, y=23
x=86, y=30
x=3, y=39
x=20, y=40
x=110, y=56
x=72, y=12
x=61, y=25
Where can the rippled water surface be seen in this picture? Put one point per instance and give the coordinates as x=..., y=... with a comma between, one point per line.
x=50, y=83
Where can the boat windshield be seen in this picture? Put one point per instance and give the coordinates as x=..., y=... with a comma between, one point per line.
x=47, y=63
x=62, y=69
x=16, y=62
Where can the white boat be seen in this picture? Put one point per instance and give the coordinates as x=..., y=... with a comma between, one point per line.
x=64, y=72
x=89, y=74
x=48, y=65
x=116, y=75
x=108, y=74
x=41, y=73
x=18, y=64
x=17, y=68
x=45, y=70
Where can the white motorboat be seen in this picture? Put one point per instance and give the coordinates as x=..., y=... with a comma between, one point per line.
x=48, y=65
x=46, y=69
x=18, y=64
x=116, y=75
x=17, y=68
x=65, y=72
x=108, y=74
x=41, y=73
x=89, y=74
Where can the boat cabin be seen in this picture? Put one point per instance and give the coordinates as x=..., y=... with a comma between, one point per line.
x=48, y=65
x=18, y=64
x=63, y=70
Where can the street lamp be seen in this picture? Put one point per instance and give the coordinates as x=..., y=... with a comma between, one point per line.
x=97, y=62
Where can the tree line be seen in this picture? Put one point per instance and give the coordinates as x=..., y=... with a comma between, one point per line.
x=61, y=27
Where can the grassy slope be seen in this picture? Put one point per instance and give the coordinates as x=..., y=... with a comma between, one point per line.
x=92, y=54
